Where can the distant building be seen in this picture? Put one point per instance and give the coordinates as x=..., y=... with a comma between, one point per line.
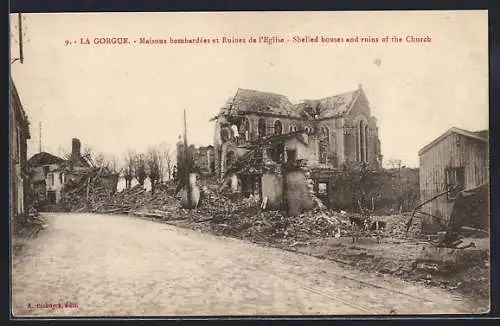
x=456, y=160
x=47, y=177
x=49, y=173
x=20, y=133
x=201, y=159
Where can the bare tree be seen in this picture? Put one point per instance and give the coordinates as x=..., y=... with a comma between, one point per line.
x=140, y=166
x=111, y=163
x=63, y=153
x=167, y=155
x=129, y=168
x=100, y=160
x=155, y=166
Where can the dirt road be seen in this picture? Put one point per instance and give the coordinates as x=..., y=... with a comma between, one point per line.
x=104, y=265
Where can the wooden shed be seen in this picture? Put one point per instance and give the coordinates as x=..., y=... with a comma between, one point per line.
x=458, y=160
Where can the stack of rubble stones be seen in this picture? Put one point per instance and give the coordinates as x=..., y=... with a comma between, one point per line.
x=318, y=204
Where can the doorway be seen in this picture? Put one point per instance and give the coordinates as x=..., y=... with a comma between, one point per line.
x=51, y=197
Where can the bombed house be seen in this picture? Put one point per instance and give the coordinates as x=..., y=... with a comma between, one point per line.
x=47, y=177
x=49, y=173
x=51, y=177
x=258, y=134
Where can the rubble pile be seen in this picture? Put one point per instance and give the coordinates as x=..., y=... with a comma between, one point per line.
x=251, y=223
x=318, y=204
x=395, y=226
x=124, y=201
x=76, y=196
x=228, y=213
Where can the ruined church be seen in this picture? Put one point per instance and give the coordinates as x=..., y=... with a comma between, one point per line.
x=328, y=133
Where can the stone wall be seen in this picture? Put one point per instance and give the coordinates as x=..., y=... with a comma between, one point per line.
x=272, y=188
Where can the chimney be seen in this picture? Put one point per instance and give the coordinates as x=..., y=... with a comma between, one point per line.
x=75, y=150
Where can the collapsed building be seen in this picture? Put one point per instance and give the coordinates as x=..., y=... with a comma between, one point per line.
x=54, y=179
x=260, y=137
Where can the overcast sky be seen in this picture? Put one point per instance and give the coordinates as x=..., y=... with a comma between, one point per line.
x=132, y=96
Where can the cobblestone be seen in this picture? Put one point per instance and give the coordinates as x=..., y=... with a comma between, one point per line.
x=112, y=265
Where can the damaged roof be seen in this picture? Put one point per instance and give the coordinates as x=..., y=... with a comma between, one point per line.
x=251, y=162
x=252, y=101
x=329, y=107
x=248, y=100
x=248, y=163
x=44, y=158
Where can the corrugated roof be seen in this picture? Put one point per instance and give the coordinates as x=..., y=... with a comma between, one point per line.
x=483, y=133
x=479, y=135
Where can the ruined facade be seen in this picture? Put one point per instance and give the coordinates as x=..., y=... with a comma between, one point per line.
x=49, y=174
x=335, y=130
x=47, y=177
x=259, y=134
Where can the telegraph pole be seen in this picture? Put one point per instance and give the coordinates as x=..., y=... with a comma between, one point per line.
x=186, y=163
x=20, y=23
x=40, y=135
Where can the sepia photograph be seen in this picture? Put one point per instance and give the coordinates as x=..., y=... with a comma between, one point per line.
x=249, y=164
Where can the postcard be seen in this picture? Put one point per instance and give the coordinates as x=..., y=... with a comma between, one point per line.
x=249, y=164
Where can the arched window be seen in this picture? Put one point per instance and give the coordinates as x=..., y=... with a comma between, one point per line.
x=366, y=142
x=245, y=130
x=292, y=128
x=262, y=127
x=324, y=144
x=362, y=141
x=308, y=130
x=278, y=128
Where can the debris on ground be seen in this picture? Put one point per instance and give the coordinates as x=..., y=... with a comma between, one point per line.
x=320, y=232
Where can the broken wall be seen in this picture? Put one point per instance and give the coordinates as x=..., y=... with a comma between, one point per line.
x=272, y=188
x=308, y=151
x=297, y=194
x=226, y=148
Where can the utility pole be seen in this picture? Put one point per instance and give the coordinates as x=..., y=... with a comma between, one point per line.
x=40, y=139
x=20, y=32
x=186, y=163
x=20, y=23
